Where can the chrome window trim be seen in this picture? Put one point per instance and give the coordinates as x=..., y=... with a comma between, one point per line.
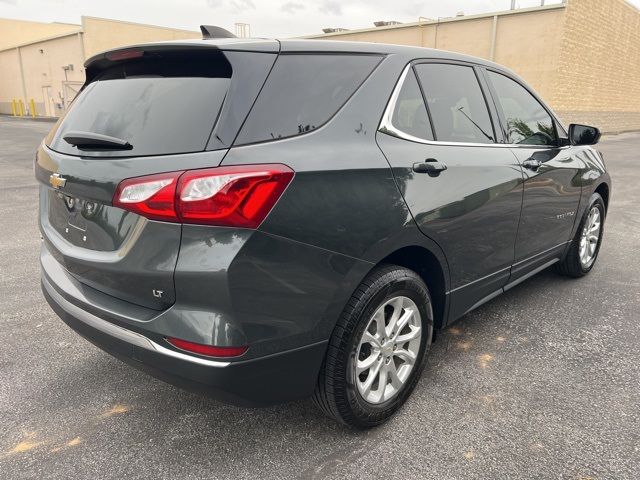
x=386, y=125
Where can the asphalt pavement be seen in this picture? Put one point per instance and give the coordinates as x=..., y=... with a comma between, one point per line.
x=542, y=382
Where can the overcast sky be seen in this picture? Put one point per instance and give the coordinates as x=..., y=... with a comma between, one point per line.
x=268, y=18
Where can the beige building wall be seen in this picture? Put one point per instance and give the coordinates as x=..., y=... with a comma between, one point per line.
x=399, y=36
x=598, y=78
x=10, y=83
x=34, y=68
x=44, y=77
x=102, y=34
x=18, y=32
x=529, y=44
x=526, y=40
x=583, y=58
x=471, y=37
x=34, y=72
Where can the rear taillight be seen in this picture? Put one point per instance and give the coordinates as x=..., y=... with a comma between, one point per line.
x=238, y=196
x=235, y=196
x=152, y=196
x=208, y=350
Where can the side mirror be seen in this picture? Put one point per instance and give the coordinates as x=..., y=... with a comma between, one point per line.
x=583, y=134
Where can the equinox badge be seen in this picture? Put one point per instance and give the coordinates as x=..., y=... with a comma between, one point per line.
x=57, y=181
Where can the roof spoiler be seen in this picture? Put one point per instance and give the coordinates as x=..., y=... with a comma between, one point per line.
x=211, y=31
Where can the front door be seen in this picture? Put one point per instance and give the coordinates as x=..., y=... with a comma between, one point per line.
x=463, y=189
x=552, y=184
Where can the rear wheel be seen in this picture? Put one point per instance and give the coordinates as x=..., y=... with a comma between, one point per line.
x=378, y=348
x=585, y=246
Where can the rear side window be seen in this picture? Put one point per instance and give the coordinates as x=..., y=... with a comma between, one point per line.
x=527, y=120
x=303, y=92
x=456, y=103
x=410, y=114
x=167, y=103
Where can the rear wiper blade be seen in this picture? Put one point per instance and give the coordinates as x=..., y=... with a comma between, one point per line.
x=90, y=140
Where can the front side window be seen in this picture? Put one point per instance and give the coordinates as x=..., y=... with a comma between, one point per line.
x=410, y=114
x=527, y=122
x=455, y=100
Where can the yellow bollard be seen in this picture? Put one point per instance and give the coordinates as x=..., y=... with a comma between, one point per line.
x=21, y=105
x=14, y=109
x=32, y=106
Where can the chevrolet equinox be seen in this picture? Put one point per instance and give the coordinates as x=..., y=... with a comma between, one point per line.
x=269, y=220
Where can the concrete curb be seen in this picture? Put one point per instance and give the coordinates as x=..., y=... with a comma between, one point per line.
x=619, y=132
x=31, y=119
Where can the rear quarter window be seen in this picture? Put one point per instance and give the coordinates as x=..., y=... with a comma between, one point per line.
x=303, y=92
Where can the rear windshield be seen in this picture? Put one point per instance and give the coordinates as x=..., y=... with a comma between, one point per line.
x=303, y=92
x=160, y=106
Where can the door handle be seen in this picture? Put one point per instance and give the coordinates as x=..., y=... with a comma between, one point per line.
x=531, y=164
x=430, y=166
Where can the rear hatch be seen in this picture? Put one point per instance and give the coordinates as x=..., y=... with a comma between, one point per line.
x=142, y=111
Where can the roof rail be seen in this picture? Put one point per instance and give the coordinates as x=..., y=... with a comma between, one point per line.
x=211, y=31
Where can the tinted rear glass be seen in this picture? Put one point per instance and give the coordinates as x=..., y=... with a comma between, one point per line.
x=303, y=92
x=160, y=106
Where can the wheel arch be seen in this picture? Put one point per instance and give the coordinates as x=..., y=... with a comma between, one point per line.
x=603, y=191
x=410, y=249
x=426, y=264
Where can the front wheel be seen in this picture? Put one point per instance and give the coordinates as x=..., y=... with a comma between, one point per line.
x=378, y=348
x=585, y=246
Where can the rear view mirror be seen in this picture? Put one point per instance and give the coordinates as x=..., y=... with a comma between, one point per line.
x=583, y=134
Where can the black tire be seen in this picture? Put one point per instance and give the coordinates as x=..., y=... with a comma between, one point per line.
x=336, y=392
x=571, y=266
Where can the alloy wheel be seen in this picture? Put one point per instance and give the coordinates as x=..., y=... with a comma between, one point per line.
x=590, y=237
x=388, y=349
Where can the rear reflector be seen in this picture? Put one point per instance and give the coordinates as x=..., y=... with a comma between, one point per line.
x=237, y=196
x=207, y=350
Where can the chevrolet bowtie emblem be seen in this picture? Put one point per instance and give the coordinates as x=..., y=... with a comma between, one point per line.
x=57, y=181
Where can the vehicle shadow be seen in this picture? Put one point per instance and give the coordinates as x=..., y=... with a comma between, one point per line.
x=157, y=419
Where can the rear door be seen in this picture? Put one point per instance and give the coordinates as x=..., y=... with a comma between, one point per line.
x=164, y=110
x=462, y=187
x=552, y=174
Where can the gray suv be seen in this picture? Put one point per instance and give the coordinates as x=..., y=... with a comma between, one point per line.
x=270, y=220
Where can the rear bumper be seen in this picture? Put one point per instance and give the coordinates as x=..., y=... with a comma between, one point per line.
x=262, y=381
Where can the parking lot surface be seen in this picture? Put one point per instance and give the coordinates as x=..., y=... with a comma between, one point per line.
x=542, y=382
